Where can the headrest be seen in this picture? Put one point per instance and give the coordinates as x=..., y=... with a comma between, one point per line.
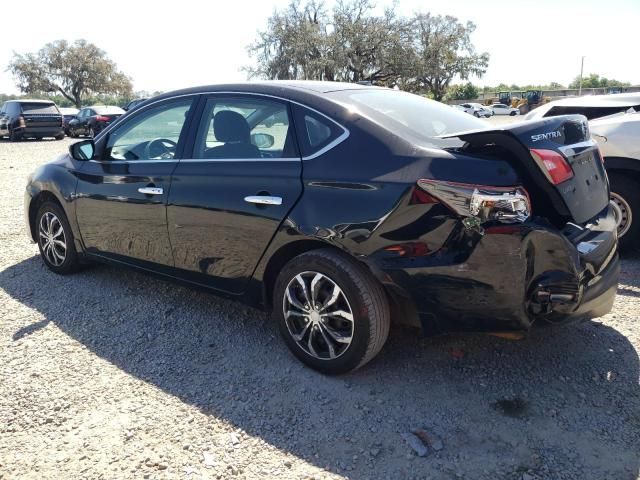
x=230, y=126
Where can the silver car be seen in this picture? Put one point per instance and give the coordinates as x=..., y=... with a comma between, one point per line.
x=614, y=121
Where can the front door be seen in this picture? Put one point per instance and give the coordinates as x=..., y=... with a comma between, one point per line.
x=121, y=197
x=229, y=197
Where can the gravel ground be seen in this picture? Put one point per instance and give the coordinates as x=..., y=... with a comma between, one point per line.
x=114, y=374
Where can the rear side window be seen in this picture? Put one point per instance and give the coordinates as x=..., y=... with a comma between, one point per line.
x=39, y=108
x=317, y=132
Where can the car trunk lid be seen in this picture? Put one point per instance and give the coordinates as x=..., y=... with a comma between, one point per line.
x=579, y=196
x=41, y=115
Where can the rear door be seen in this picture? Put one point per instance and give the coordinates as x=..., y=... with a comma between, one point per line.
x=229, y=197
x=121, y=197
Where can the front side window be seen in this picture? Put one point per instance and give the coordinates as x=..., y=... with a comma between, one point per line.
x=152, y=134
x=244, y=128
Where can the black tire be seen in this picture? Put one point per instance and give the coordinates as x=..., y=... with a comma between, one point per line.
x=476, y=114
x=71, y=261
x=628, y=189
x=14, y=136
x=512, y=114
x=364, y=295
x=59, y=137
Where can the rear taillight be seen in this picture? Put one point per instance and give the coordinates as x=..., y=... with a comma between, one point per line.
x=553, y=164
x=101, y=118
x=481, y=203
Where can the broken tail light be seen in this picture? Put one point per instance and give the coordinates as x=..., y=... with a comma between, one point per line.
x=481, y=203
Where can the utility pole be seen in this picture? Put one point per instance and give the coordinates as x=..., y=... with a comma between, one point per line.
x=581, y=70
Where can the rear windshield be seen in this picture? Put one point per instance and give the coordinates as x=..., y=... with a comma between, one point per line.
x=408, y=114
x=39, y=108
x=108, y=110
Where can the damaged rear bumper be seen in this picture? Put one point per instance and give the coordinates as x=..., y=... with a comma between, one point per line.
x=510, y=277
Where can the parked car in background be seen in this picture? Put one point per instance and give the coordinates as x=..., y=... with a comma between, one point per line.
x=133, y=104
x=477, y=110
x=502, y=109
x=20, y=119
x=359, y=203
x=92, y=120
x=68, y=114
x=619, y=139
x=615, y=125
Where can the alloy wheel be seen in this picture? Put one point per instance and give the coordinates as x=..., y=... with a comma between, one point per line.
x=52, y=239
x=318, y=315
x=623, y=213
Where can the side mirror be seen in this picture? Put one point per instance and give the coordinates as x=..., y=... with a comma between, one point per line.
x=262, y=140
x=83, y=150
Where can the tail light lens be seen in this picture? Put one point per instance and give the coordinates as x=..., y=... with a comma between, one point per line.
x=102, y=118
x=481, y=203
x=21, y=122
x=553, y=164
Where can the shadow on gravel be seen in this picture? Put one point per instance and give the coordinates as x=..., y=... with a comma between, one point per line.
x=563, y=403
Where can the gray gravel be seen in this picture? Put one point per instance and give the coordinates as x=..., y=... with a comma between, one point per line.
x=114, y=374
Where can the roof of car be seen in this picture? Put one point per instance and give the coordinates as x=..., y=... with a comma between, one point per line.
x=272, y=86
x=29, y=100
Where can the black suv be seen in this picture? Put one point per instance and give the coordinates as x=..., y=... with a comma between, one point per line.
x=30, y=119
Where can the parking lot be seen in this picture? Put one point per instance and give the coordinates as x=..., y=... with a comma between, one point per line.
x=110, y=373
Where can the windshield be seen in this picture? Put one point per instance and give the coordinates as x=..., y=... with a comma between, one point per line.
x=405, y=113
x=39, y=108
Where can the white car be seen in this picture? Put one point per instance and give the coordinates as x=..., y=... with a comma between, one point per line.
x=502, y=109
x=476, y=109
x=615, y=125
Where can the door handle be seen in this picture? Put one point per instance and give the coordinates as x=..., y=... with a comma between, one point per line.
x=263, y=200
x=151, y=190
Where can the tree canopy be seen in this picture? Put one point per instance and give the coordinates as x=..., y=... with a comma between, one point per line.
x=594, y=80
x=350, y=43
x=75, y=71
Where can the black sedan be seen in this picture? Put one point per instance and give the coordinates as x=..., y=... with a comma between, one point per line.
x=340, y=207
x=92, y=120
x=68, y=114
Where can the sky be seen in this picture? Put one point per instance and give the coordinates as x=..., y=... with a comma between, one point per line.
x=169, y=45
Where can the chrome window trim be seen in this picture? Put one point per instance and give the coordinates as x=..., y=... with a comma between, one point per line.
x=214, y=160
x=345, y=131
x=109, y=162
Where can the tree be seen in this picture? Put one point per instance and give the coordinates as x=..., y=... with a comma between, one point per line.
x=594, y=80
x=468, y=91
x=74, y=70
x=443, y=51
x=294, y=45
x=366, y=47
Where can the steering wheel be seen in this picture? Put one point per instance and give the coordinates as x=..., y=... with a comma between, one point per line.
x=160, y=148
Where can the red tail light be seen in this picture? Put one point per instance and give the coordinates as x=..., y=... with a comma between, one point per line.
x=553, y=164
x=102, y=118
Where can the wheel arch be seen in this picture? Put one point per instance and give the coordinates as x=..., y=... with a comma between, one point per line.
x=280, y=258
x=36, y=202
x=627, y=166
